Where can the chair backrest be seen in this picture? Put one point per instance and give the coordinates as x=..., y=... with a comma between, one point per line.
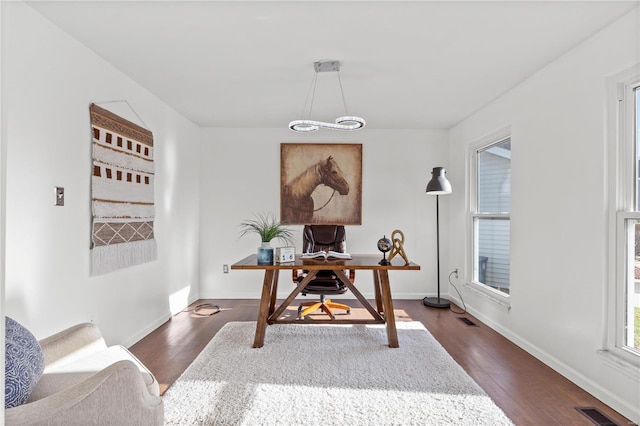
x=324, y=237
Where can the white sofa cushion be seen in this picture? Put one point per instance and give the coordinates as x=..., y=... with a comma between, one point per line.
x=66, y=375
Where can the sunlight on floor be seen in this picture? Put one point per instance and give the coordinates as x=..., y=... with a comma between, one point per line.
x=357, y=312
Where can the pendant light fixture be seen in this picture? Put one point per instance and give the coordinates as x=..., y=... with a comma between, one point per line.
x=346, y=122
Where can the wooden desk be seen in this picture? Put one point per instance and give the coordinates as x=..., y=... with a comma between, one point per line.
x=381, y=314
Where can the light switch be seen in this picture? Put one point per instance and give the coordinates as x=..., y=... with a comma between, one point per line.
x=59, y=196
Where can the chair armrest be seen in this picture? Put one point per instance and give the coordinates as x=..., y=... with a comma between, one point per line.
x=116, y=395
x=71, y=344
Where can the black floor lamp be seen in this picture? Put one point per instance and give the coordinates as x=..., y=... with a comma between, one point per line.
x=438, y=185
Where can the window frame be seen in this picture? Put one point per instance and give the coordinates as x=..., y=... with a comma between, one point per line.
x=500, y=298
x=623, y=209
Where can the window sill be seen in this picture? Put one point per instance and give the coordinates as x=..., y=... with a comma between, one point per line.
x=492, y=295
x=619, y=363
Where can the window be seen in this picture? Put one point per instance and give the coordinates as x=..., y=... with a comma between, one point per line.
x=491, y=220
x=624, y=317
x=632, y=315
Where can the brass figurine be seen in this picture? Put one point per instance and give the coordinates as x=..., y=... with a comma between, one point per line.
x=398, y=247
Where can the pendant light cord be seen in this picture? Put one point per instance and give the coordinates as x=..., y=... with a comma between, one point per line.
x=344, y=102
x=311, y=93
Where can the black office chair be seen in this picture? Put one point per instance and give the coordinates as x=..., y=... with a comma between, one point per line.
x=318, y=238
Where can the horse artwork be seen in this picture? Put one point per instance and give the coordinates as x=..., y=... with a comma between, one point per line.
x=297, y=201
x=321, y=183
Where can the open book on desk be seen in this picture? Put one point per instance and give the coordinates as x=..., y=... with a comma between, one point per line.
x=326, y=255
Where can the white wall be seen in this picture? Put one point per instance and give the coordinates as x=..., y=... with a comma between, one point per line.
x=49, y=80
x=558, y=236
x=2, y=210
x=559, y=254
x=240, y=171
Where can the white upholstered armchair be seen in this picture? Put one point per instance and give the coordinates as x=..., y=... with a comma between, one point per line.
x=85, y=382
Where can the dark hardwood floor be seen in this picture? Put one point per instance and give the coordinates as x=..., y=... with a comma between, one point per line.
x=529, y=392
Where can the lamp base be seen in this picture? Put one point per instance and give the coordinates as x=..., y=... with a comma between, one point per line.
x=436, y=302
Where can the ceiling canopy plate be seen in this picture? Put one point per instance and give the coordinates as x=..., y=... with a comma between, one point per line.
x=326, y=66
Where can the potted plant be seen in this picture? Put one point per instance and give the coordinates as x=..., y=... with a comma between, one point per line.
x=268, y=228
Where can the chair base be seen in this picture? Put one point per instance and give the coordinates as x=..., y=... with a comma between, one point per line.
x=325, y=304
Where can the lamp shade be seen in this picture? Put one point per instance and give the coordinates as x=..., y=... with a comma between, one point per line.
x=438, y=184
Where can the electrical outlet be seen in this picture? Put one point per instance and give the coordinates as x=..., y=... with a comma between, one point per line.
x=456, y=272
x=225, y=269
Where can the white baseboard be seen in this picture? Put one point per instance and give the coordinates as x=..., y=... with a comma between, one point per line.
x=145, y=331
x=604, y=395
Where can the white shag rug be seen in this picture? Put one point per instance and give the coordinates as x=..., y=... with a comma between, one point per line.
x=325, y=374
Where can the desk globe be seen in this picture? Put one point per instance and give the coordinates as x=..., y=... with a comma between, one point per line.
x=384, y=245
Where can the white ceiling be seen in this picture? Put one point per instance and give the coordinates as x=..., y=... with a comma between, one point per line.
x=416, y=64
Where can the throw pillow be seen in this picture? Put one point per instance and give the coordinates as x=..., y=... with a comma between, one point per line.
x=24, y=363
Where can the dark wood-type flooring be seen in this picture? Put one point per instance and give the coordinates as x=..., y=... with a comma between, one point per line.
x=529, y=392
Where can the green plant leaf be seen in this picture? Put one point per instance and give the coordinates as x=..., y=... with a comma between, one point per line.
x=267, y=227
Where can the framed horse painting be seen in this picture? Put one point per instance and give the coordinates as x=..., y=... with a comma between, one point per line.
x=321, y=183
